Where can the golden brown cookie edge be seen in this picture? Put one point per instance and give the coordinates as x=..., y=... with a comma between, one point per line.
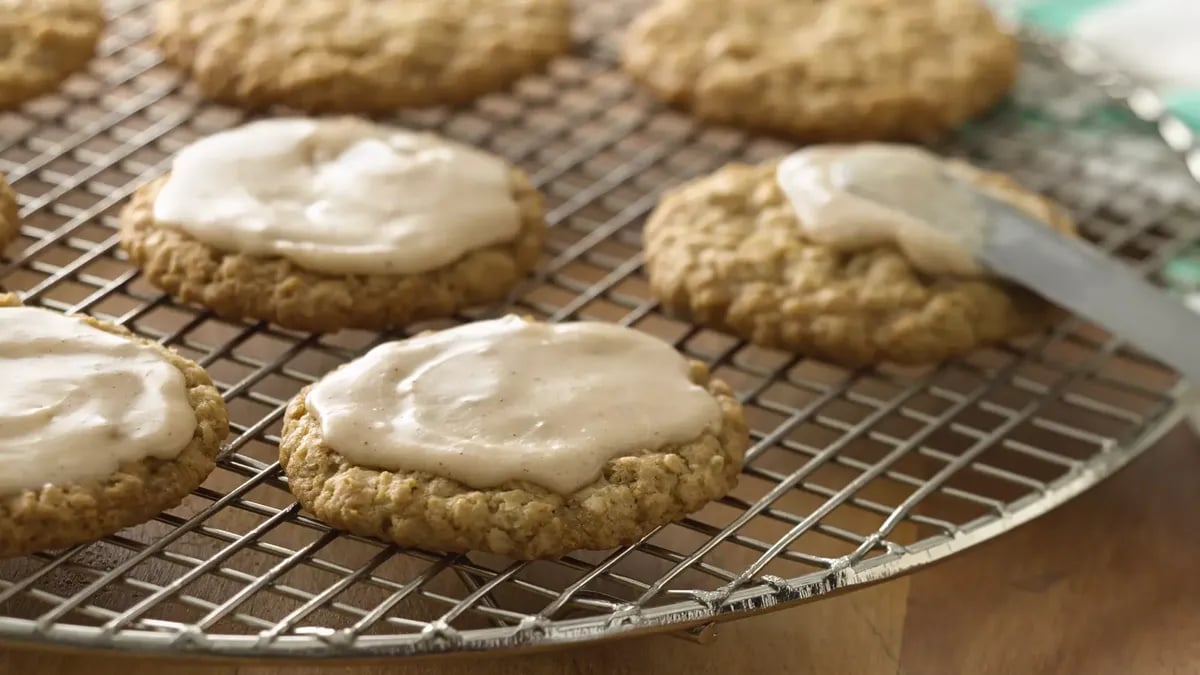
x=10, y=219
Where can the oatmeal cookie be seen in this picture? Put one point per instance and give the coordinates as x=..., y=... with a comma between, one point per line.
x=727, y=250
x=10, y=221
x=42, y=42
x=635, y=492
x=275, y=288
x=326, y=56
x=59, y=515
x=825, y=70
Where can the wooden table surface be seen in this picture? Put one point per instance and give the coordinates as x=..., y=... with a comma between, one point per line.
x=1105, y=584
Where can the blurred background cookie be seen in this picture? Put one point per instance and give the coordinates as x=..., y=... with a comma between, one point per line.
x=327, y=55
x=825, y=69
x=42, y=42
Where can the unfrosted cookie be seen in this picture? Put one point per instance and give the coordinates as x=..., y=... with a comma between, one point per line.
x=10, y=221
x=337, y=223
x=514, y=437
x=99, y=429
x=825, y=69
x=730, y=250
x=326, y=56
x=42, y=42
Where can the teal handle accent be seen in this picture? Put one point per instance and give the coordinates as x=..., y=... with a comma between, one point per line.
x=1057, y=17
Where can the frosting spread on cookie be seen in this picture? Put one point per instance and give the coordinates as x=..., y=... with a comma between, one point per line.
x=78, y=402
x=512, y=400
x=340, y=196
x=852, y=197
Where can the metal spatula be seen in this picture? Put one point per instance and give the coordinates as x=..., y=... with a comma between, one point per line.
x=1079, y=277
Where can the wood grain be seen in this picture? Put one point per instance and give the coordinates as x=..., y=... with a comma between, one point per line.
x=1103, y=585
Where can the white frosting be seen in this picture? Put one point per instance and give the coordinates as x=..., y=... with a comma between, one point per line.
x=508, y=400
x=78, y=402
x=852, y=197
x=1155, y=40
x=340, y=196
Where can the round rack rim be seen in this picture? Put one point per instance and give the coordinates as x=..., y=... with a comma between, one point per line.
x=777, y=595
x=747, y=594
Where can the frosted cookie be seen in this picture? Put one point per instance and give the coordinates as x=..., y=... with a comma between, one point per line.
x=99, y=429
x=515, y=437
x=332, y=56
x=825, y=69
x=338, y=223
x=10, y=221
x=42, y=42
x=792, y=255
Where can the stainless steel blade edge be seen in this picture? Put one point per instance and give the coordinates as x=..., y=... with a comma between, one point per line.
x=1079, y=277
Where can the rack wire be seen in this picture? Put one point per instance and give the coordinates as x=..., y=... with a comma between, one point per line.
x=854, y=476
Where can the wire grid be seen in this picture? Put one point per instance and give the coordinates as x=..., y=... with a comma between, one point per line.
x=853, y=476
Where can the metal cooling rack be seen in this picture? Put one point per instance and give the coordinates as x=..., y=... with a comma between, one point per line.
x=854, y=477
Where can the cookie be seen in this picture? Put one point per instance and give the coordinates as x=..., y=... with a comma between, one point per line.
x=514, y=437
x=328, y=56
x=729, y=250
x=42, y=42
x=10, y=220
x=824, y=70
x=100, y=429
x=337, y=223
